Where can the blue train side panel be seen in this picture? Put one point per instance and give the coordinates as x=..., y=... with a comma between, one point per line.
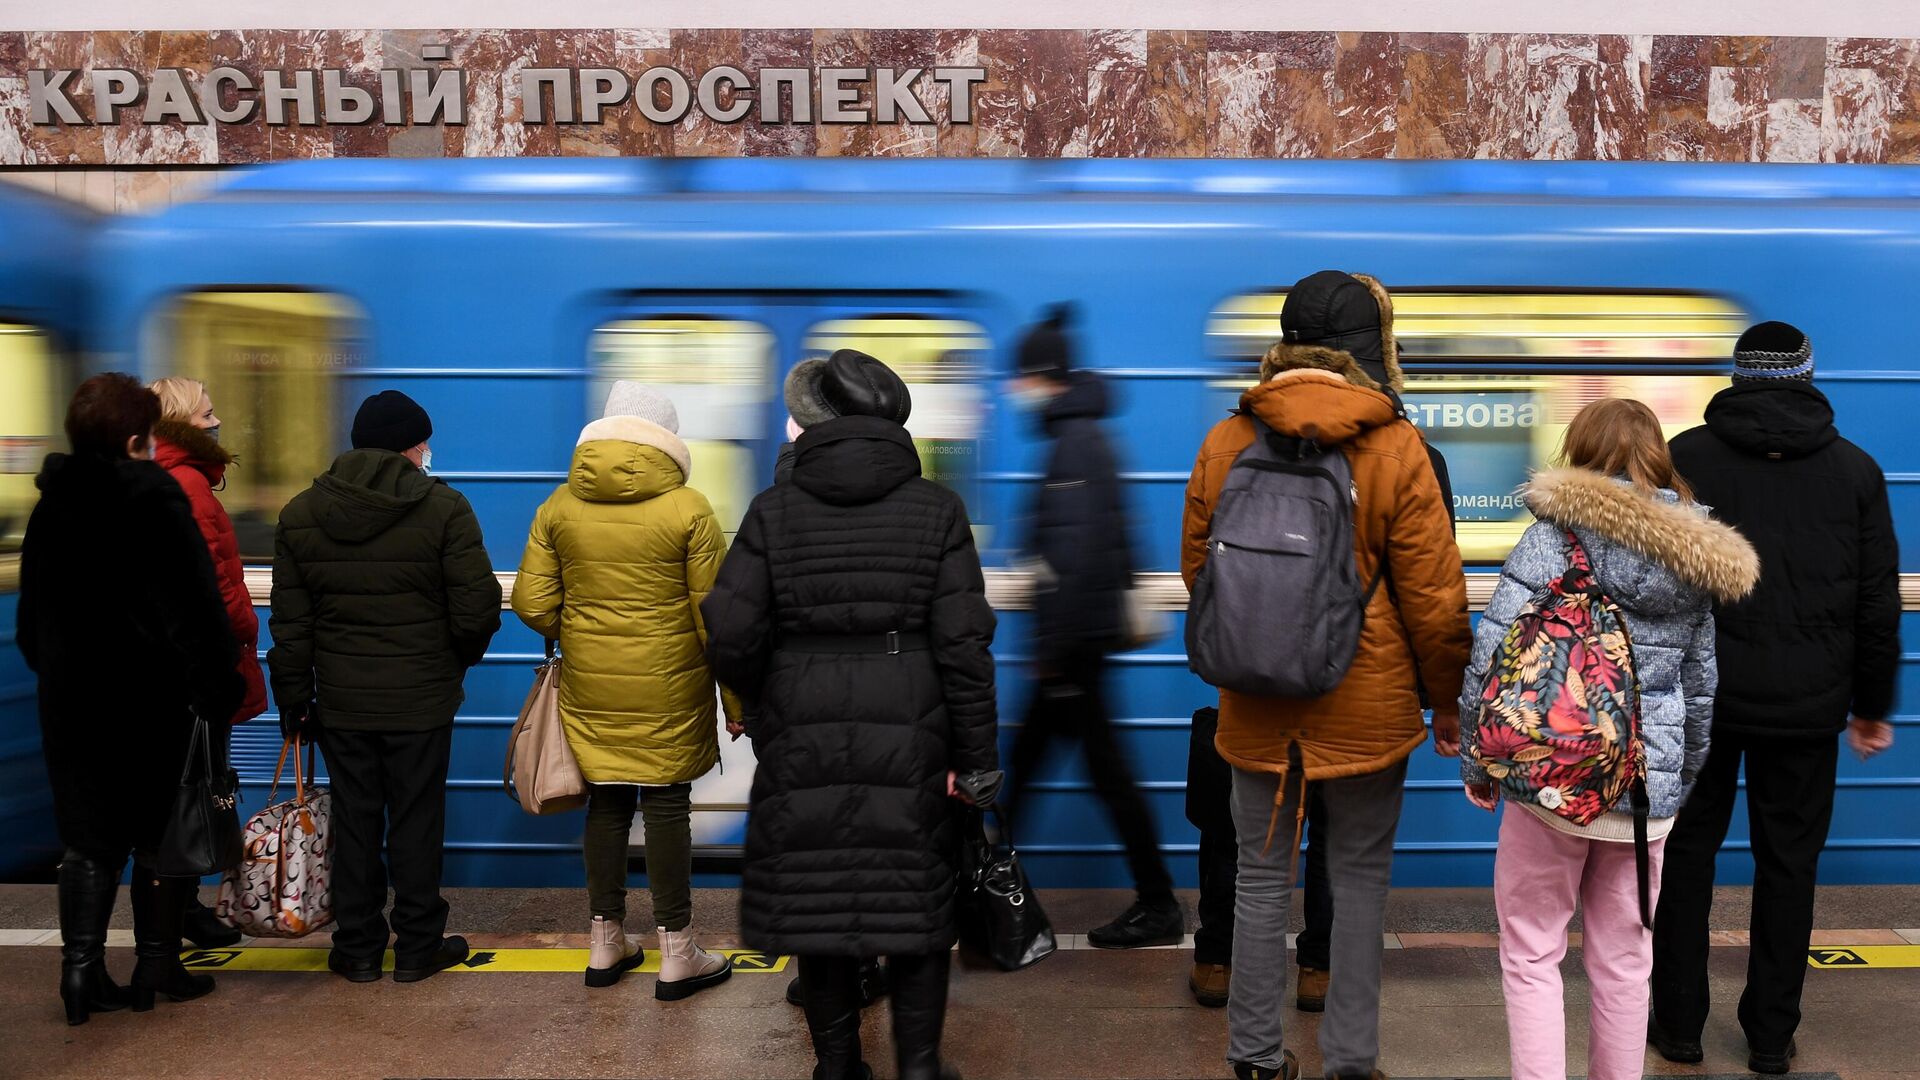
x=482, y=283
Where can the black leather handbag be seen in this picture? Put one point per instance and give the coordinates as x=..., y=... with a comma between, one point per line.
x=999, y=915
x=203, y=826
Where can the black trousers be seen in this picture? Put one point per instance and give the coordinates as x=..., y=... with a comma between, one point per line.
x=1070, y=702
x=389, y=792
x=1209, y=808
x=1789, y=808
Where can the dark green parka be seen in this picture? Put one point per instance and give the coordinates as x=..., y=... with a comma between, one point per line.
x=383, y=596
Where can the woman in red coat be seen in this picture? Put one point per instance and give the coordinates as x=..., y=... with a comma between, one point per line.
x=186, y=443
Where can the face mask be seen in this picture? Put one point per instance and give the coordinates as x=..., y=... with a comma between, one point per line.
x=214, y=433
x=426, y=461
x=1030, y=399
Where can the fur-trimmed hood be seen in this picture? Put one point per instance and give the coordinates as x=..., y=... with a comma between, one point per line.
x=1651, y=533
x=177, y=443
x=641, y=432
x=1283, y=356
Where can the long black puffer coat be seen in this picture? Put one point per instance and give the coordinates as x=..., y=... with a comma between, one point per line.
x=1080, y=530
x=851, y=836
x=1820, y=635
x=121, y=618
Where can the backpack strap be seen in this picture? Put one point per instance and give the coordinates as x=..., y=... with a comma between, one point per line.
x=1641, y=859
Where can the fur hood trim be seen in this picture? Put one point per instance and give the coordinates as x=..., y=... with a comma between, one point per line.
x=641, y=432
x=199, y=447
x=1707, y=554
x=1285, y=357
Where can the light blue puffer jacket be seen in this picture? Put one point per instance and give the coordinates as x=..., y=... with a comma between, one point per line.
x=1664, y=562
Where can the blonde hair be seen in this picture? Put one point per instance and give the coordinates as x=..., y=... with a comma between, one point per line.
x=1622, y=437
x=179, y=397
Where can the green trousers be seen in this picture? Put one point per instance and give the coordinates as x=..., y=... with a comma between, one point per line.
x=668, y=815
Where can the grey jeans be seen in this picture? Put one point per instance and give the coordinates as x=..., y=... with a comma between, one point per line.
x=1362, y=814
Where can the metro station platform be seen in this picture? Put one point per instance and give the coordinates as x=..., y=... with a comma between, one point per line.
x=520, y=1010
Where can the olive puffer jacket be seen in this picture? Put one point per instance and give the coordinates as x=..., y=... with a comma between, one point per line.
x=1665, y=563
x=383, y=597
x=615, y=568
x=199, y=464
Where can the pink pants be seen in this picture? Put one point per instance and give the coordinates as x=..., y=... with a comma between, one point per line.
x=1539, y=875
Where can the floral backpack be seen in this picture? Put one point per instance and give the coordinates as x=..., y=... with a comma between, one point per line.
x=1560, y=711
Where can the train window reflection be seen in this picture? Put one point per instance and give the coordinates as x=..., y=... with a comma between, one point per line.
x=32, y=396
x=1492, y=379
x=944, y=363
x=269, y=360
x=719, y=374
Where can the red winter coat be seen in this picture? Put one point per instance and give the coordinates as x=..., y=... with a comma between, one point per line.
x=198, y=463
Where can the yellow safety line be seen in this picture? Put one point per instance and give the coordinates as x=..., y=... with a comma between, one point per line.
x=483, y=960
x=1842, y=958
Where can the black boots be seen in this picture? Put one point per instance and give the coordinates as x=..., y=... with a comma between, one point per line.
x=159, y=906
x=920, y=1013
x=87, y=887
x=831, y=997
x=204, y=929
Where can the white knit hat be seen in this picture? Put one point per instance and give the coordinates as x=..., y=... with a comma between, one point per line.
x=637, y=413
x=629, y=398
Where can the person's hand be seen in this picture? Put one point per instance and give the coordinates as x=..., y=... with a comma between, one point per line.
x=735, y=728
x=1446, y=732
x=1869, y=737
x=300, y=722
x=1483, y=795
x=953, y=789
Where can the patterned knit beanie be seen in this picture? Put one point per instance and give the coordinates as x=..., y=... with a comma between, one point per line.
x=1773, y=351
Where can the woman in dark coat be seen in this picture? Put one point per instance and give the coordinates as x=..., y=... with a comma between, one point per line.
x=121, y=619
x=852, y=610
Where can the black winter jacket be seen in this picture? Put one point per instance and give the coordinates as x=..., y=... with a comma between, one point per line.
x=851, y=837
x=1820, y=636
x=383, y=596
x=121, y=618
x=1079, y=528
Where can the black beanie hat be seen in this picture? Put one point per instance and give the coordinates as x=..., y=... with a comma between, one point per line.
x=1773, y=351
x=1046, y=350
x=390, y=420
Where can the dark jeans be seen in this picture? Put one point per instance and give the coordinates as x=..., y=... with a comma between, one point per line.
x=1789, y=807
x=668, y=813
x=1070, y=702
x=389, y=791
x=1209, y=808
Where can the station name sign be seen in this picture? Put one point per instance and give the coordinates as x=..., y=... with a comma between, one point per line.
x=421, y=96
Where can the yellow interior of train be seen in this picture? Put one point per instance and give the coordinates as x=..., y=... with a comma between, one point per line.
x=1493, y=428
x=34, y=391
x=270, y=361
x=719, y=374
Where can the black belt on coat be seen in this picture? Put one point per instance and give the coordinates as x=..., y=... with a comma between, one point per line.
x=892, y=642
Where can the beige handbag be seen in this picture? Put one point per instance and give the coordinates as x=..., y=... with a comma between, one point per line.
x=541, y=773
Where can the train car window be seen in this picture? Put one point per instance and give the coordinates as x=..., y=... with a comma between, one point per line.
x=1493, y=378
x=719, y=373
x=32, y=396
x=270, y=360
x=944, y=363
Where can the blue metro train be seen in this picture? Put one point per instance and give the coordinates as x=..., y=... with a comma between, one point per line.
x=504, y=295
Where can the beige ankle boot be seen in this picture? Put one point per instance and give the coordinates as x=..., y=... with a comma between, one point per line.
x=686, y=968
x=614, y=953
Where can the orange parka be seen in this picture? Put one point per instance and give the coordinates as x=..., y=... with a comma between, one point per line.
x=1416, y=629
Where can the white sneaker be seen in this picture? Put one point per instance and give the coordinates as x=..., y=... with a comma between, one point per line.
x=613, y=953
x=686, y=968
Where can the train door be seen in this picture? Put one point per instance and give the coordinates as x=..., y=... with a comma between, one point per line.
x=723, y=359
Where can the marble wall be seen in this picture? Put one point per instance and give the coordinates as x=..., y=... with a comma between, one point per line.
x=1065, y=93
